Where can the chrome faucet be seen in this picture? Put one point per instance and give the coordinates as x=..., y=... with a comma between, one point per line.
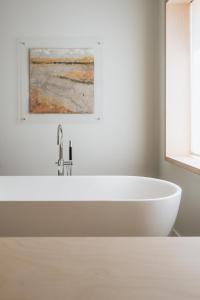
x=61, y=163
x=60, y=141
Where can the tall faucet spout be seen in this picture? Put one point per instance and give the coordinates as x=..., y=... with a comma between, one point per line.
x=61, y=163
x=59, y=135
x=60, y=141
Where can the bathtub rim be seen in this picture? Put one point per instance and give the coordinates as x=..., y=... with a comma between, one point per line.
x=177, y=192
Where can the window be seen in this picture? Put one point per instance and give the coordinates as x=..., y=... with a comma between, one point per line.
x=195, y=77
x=183, y=83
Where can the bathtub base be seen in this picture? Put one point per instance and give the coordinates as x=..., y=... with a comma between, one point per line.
x=82, y=218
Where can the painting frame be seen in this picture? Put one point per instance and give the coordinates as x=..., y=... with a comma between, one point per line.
x=23, y=48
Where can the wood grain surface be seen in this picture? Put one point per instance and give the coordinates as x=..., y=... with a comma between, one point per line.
x=99, y=268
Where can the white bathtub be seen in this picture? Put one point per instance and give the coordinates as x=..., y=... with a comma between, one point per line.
x=87, y=206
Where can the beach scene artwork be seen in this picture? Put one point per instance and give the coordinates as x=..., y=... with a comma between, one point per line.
x=61, y=81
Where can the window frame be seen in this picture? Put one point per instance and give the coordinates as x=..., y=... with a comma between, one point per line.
x=185, y=159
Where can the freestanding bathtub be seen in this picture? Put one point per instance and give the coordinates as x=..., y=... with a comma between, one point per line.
x=87, y=206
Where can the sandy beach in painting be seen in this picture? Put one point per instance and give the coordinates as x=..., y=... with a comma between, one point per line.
x=61, y=81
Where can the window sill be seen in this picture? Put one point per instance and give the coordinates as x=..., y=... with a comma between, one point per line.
x=190, y=162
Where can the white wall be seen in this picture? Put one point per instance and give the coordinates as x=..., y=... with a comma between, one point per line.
x=188, y=221
x=125, y=141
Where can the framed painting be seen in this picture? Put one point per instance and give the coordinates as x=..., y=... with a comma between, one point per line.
x=59, y=79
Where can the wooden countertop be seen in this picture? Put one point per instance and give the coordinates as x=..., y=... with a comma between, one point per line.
x=99, y=268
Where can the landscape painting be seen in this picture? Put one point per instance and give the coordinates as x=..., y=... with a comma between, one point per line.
x=61, y=81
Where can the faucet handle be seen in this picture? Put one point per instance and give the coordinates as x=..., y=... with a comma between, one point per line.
x=70, y=150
